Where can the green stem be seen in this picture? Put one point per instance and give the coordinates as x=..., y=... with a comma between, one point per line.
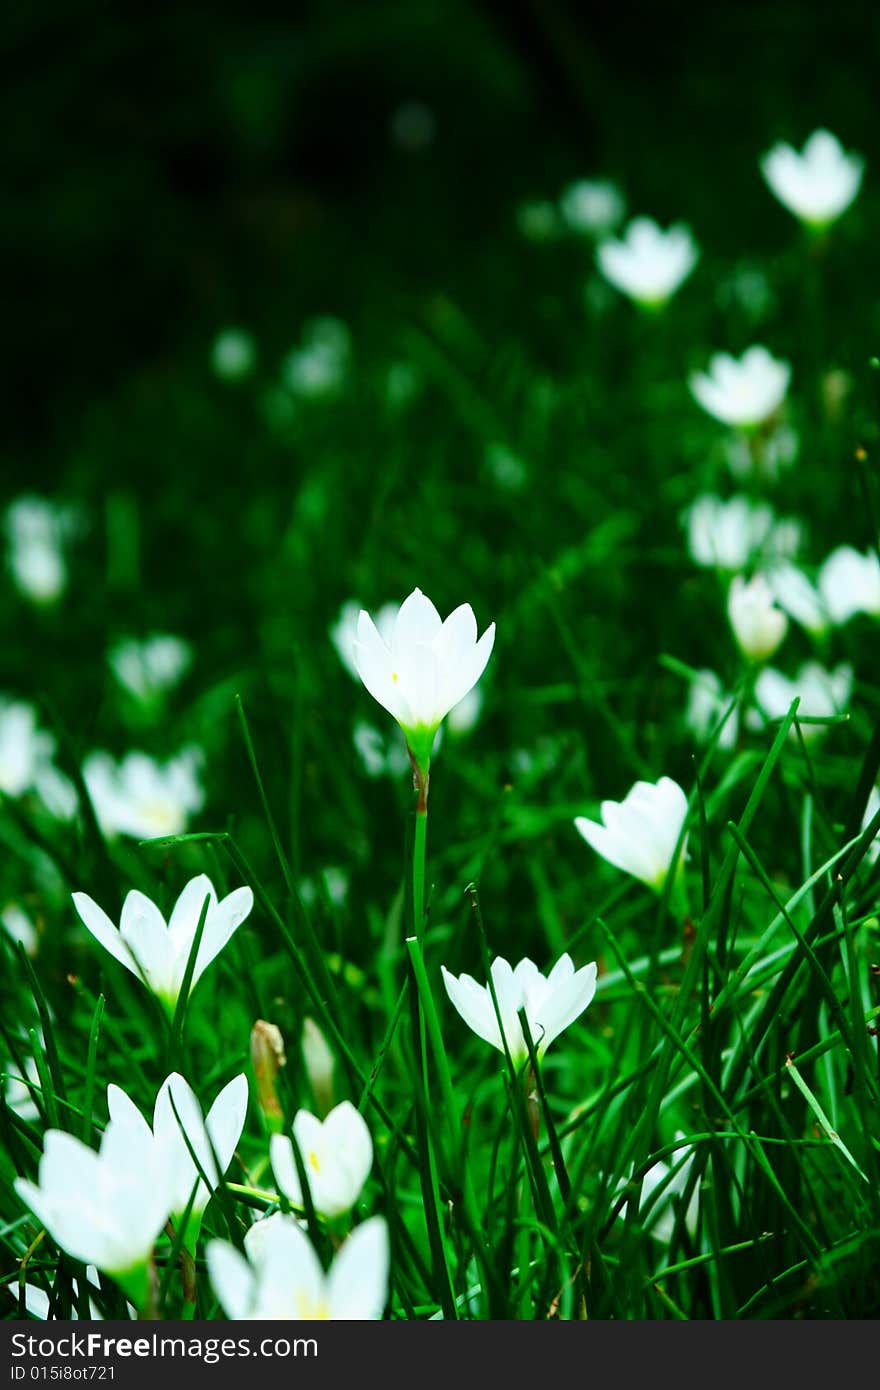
x=419, y=849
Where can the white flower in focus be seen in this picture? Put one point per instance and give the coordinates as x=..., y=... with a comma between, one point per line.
x=213, y=1139
x=150, y=668
x=818, y=184
x=143, y=798
x=795, y=594
x=337, y=1155
x=424, y=669
x=639, y=834
x=282, y=1278
x=849, y=583
x=37, y=531
x=592, y=206
x=727, y=535
x=343, y=633
x=551, y=1002
x=105, y=1208
x=708, y=703
x=233, y=354
x=822, y=694
x=758, y=624
x=648, y=264
x=743, y=392
x=158, y=952
x=18, y=925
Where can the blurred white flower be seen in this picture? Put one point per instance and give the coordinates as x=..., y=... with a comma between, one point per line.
x=426, y=667
x=822, y=693
x=648, y=264
x=143, y=798
x=382, y=754
x=343, y=633
x=743, y=392
x=149, y=668
x=26, y=753
x=849, y=583
x=319, y=366
x=727, y=535
x=337, y=1155
x=19, y=1094
x=872, y=853
x=282, y=1278
x=592, y=206
x=233, y=354
x=466, y=714
x=18, y=925
x=818, y=184
x=212, y=1139
x=551, y=1002
x=105, y=1208
x=157, y=952
x=758, y=624
x=37, y=531
x=639, y=834
x=38, y=1302
x=334, y=882
x=708, y=702
x=320, y=1064
x=799, y=598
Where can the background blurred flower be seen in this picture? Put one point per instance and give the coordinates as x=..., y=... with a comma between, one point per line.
x=37, y=531
x=150, y=668
x=707, y=703
x=822, y=693
x=233, y=354
x=141, y=797
x=742, y=392
x=849, y=583
x=592, y=206
x=649, y=264
x=759, y=625
x=728, y=535
x=818, y=184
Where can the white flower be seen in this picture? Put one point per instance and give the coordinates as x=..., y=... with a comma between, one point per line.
x=143, y=798
x=18, y=925
x=337, y=1155
x=23, y=747
x=104, y=1208
x=727, y=535
x=669, y=1181
x=37, y=531
x=158, y=953
x=817, y=185
x=742, y=392
x=794, y=593
x=849, y=583
x=19, y=1094
x=212, y=1138
x=708, y=702
x=282, y=1277
x=592, y=206
x=382, y=754
x=343, y=633
x=426, y=667
x=148, y=669
x=639, y=834
x=551, y=1002
x=466, y=714
x=319, y=366
x=648, y=264
x=822, y=694
x=233, y=354
x=758, y=624
x=872, y=853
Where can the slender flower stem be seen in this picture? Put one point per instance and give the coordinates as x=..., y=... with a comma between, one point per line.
x=419, y=848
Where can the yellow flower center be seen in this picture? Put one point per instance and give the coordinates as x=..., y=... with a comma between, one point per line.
x=314, y=1161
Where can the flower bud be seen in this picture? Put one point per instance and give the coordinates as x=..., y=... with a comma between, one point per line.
x=320, y=1064
x=267, y=1056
